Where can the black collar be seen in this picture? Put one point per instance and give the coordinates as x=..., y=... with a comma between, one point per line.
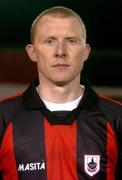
x=32, y=101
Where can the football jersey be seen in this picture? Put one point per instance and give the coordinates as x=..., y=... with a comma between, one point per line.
x=82, y=144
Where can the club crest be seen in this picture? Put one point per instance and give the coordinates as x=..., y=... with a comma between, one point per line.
x=92, y=164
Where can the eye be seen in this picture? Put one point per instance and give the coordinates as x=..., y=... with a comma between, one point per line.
x=71, y=40
x=50, y=41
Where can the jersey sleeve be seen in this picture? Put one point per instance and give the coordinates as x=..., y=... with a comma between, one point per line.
x=2, y=126
x=1, y=135
x=119, y=139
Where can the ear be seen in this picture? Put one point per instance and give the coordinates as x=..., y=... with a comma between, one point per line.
x=87, y=51
x=31, y=52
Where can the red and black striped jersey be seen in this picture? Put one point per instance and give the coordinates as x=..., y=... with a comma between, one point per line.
x=83, y=144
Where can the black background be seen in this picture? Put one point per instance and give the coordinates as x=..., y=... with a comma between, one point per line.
x=103, y=21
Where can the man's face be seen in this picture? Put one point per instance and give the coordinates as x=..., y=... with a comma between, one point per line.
x=59, y=49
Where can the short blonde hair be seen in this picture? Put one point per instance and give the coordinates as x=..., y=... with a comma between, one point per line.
x=57, y=11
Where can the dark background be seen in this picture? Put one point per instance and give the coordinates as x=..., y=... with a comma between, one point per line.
x=103, y=21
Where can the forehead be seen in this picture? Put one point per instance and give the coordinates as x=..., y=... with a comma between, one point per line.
x=47, y=24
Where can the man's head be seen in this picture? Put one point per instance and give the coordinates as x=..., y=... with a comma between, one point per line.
x=59, y=12
x=58, y=46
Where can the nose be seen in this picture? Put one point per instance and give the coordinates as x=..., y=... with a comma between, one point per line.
x=60, y=50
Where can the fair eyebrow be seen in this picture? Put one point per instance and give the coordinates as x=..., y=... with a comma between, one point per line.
x=54, y=37
x=73, y=37
x=66, y=37
x=46, y=37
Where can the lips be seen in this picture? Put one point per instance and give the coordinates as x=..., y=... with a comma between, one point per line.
x=60, y=65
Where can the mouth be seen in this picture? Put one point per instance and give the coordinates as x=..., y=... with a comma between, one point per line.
x=60, y=65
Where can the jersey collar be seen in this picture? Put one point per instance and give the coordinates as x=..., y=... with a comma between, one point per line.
x=32, y=101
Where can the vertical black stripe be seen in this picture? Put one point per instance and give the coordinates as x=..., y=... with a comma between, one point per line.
x=29, y=145
x=91, y=140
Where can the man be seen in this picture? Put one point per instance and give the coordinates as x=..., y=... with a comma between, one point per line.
x=59, y=129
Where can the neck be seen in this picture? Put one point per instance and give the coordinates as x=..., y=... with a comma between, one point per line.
x=60, y=94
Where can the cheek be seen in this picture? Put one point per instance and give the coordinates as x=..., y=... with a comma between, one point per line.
x=76, y=53
x=77, y=58
x=43, y=62
x=78, y=62
x=43, y=54
x=78, y=66
x=40, y=54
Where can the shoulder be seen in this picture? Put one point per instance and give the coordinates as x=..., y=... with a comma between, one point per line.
x=10, y=102
x=112, y=111
x=9, y=106
x=111, y=108
x=110, y=104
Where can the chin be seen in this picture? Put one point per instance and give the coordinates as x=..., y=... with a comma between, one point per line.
x=60, y=83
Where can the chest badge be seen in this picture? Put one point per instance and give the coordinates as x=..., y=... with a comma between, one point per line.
x=92, y=164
